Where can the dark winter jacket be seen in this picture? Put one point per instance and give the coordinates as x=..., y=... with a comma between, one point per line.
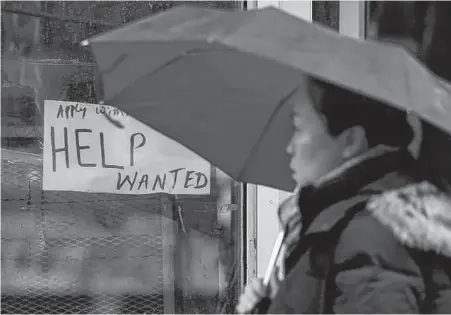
x=394, y=254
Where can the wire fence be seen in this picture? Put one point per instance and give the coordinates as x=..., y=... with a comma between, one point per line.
x=69, y=252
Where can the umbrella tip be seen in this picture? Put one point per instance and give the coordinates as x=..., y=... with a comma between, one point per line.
x=84, y=43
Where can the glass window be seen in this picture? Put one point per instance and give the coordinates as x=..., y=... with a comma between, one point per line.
x=80, y=252
x=326, y=13
x=423, y=27
x=397, y=22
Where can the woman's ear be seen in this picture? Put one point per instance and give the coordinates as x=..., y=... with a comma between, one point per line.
x=355, y=142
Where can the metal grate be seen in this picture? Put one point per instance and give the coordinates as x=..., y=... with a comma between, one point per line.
x=68, y=252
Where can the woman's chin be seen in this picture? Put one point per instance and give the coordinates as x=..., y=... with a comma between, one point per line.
x=296, y=179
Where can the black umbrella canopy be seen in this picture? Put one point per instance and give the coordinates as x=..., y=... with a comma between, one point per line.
x=199, y=75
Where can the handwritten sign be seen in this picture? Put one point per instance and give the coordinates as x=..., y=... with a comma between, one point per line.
x=85, y=151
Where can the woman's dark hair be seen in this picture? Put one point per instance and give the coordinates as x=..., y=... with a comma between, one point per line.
x=435, y=157
x=435, y=152
x=344, y=109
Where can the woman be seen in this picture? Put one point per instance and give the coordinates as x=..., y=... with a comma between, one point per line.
x=368, y=242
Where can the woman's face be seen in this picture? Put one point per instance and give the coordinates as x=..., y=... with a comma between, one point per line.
x=314, y=152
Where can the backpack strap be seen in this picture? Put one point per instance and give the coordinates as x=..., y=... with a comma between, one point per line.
x=436, y=273
x=328, y=250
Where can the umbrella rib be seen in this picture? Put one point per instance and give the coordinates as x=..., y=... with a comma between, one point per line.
x=115, y=64
x=166, y=64
x=408, y=85
x=281, y=103
x=169, y=63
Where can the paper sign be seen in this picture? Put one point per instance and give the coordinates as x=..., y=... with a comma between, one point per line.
x=85, y=151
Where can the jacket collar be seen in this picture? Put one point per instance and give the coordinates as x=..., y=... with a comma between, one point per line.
x=418, y=215
x=324, y=204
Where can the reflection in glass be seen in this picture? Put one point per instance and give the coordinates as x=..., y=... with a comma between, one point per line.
x=422, y=27
x=326, y=13
x=75, y=252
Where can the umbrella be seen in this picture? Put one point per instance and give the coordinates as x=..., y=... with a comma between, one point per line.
x=220, y=82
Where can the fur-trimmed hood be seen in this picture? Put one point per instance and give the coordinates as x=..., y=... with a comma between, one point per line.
x=419, y=215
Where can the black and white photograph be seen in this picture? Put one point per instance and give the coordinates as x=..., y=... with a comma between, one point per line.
x=226, y=157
